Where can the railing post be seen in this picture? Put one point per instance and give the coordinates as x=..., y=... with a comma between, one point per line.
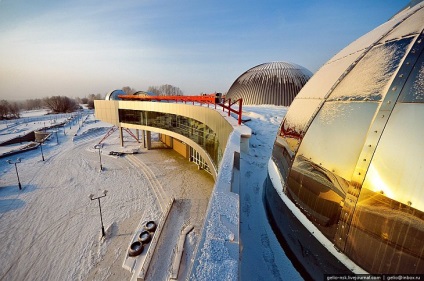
x=240, y=110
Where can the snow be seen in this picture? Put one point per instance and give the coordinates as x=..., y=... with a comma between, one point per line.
x=50, y=230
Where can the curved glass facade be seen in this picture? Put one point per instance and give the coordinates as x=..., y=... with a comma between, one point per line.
x=196, y=131
x=349, y=153
x=270, y=83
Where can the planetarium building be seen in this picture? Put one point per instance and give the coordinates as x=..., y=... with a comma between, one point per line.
x=345, y=185
x=275, y=83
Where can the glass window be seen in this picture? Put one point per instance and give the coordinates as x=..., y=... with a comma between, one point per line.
x=130, y=116
x=324, y=164
x=282, y=157
x=412, y=25
x=389, y=214
x=397, y=168
x=413, y=90
x=336, y=136
x=393, y=231
x=190, y=128
x=321, y=83
x=318, y=192
x=369, y=79
x=297, y=118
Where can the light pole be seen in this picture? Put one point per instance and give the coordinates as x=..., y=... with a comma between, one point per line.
x=91, y=196
x=57, y=139
x=41, y=147
x=99, y=146
x=16, y=168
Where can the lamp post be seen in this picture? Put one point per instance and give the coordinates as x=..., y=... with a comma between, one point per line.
x=99, y=146
x=16, y=168
x=41, y=147
x=57, y=139
x=91, y=196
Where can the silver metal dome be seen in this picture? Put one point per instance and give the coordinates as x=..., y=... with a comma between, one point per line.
x=348, y=160
x=274, y=83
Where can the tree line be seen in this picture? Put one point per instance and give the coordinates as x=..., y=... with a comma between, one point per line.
x=163, y=90
x=63, y=104
x=55, y=104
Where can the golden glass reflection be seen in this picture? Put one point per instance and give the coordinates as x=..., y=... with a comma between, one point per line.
x=336, y=137
x=318, y=192
x=397, y=168
x=294, y=124
x=386, y=236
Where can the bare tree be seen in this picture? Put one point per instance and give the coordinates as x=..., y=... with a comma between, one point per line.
x=9, y=110
x=4, y=109
x=14, y=110
x=166, y=90
x=60, y=104
x=33, y=104
x=155, y=90
x=91, y=98
x=128, y=90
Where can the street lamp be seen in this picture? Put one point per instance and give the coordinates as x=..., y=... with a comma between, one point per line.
x=16, y=168
x=91, y=196
x=41, y=147
x=57, y=139
x=99, y=146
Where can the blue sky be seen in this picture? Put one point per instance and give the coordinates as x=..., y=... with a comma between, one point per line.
x=81, y=47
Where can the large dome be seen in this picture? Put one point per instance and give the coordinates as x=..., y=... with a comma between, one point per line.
x=113, y=95
x=348, y=160
x=274, y=83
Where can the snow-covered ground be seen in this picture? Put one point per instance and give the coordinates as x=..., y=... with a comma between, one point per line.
x=262, y=257
x=50, y=229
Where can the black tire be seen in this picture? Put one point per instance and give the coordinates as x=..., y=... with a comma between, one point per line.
x=144, y=237
x=150, y=226
x=135, y=249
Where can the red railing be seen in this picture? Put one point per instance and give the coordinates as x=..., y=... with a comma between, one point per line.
x=214, y=99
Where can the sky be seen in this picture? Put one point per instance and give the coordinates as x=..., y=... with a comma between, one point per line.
x=82, y=47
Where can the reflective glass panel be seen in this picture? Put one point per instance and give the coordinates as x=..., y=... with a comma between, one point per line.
x=412, y=25
x=386, y=236
x=318, y=193
x=369, y=79
x=336, y=136
x=389, y=215
x=188, y=127
x=282, y=156
x=297, y=118
x=397, y=168
x=322, y=81
x=413, y=90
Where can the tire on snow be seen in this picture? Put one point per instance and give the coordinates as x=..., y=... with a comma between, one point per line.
x=135, y=249
x=144, y=237
x=150, y=226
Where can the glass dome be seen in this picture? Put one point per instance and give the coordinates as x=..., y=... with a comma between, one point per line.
x=347, y=161
x=113, y=95
x=274, y=83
